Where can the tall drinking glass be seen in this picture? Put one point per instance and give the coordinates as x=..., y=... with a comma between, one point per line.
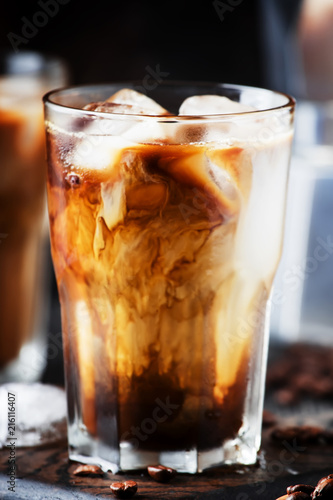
x=24, y=79
x=166, y=233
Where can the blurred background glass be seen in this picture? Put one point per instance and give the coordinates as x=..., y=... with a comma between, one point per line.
x=297, y=45
x=24, y=251
x=303, y=294
x=298, y=54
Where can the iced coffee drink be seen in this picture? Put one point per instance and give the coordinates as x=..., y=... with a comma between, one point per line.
x=22, y=203
x=23, y=221
x=166, y=228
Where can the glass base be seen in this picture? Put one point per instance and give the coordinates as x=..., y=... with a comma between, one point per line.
x=192, y=461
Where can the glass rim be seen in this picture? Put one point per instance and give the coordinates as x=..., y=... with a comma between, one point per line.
x=171, y=118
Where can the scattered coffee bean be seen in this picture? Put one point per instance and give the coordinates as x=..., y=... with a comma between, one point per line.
x=298, y=495
x=88, y=470
x=160, y=473
x=285, y=397
x=305, y=488
x=303, y=371
x=304, y=434
x=324, y=489
x=330, y=476
x=127, y=489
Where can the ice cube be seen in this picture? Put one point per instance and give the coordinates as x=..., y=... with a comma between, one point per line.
x=146, y=196
x=231, y=170
x=98, y=152
x=114, y=107
x=137, y=101
x=111, y=212
x=213, y=186
x=145, y=131
x=128, y=102
x=199, y=105
x=210, y=105
x=153, y=132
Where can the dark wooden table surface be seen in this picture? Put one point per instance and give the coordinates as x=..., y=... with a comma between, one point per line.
x=46, y=472
x=298, y=454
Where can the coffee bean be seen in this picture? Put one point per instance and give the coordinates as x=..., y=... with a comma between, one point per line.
x=330, y=476
x=304, y=434
x=126, y=489
x=324, y=489
x=305, y=488
x=298, y=495
x=303, y=371
x=285, y=397
x=160, y=473
x=88, y=470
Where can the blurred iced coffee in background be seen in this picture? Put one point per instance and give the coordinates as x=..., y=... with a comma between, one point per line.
x=24, y=272
x=315, y=38
x=298, y=59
